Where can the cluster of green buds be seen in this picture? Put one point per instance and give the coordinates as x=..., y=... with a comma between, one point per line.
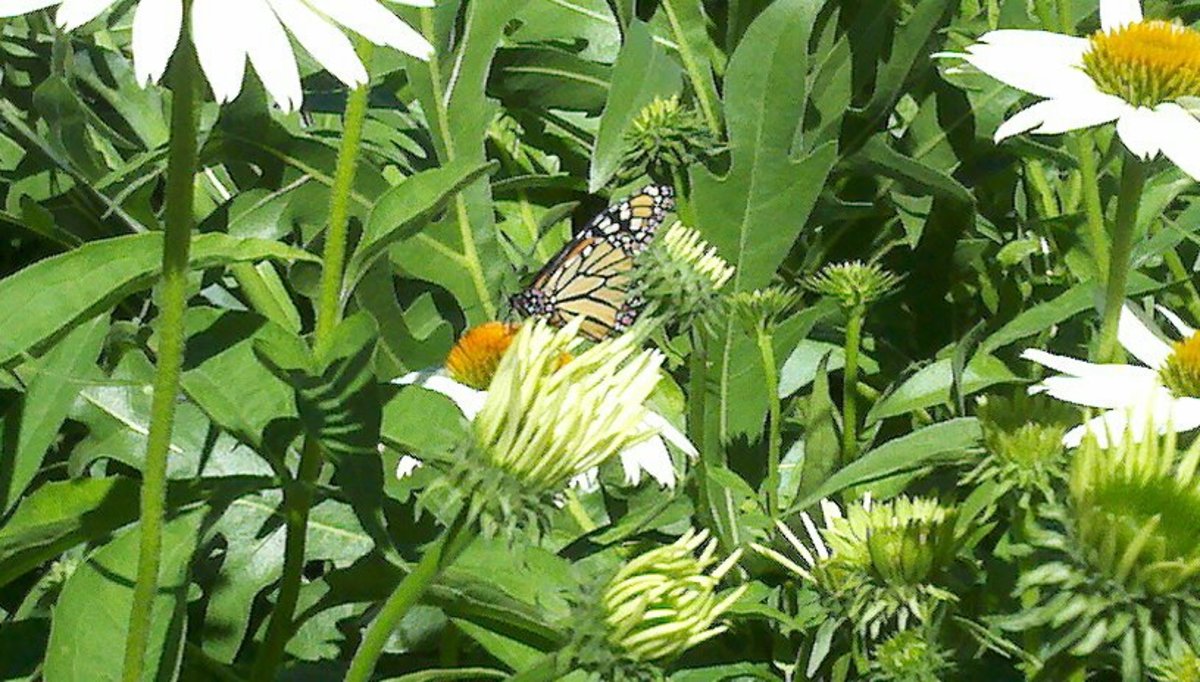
x=665, y=137
x=853, y=285
x=550, y=416
x=1023, y=439
x=681, y=275
x=1120, y=559
x=662, y=603
x=879, y=562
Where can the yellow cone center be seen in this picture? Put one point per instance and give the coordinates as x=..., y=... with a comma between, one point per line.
x=1181, y=372
x=474, y=359
x=1145, y=63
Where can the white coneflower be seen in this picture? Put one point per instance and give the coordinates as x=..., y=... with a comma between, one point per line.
x=1133, y=71
x=227, y=34
x=469, y=371
x=1164, y=394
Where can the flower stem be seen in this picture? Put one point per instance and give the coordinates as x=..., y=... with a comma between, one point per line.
x=437, y=557
x=850, y=385
x=297, y=500
x=766, y=350
x=298, y=495
x=1133, y=179
x=179, y=218
x=329, y=305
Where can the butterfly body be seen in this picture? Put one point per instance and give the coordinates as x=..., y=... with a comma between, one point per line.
x=590, y=275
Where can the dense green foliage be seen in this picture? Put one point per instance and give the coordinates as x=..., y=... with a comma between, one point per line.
x=797, y=134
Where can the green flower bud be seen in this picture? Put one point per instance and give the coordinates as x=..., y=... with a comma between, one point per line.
x=853, y=284
x=1023, y=438
x=681, y=274
x=1135, y=508
x=908, y=656
x=763, y=309
x=878, y=562
x=666, y=136
x=664, y=602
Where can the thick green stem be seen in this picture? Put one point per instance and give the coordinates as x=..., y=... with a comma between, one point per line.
x=329, y=305
x=179, y=218
x=1133, y=179
x=850, y=385
x=298, y=495
x=437, y=557
x=297, y=500
x=766, y=349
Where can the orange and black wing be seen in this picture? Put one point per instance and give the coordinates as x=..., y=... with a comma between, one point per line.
x=590, y=276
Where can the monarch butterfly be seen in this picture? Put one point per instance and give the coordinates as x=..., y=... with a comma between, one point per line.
x=589, y=277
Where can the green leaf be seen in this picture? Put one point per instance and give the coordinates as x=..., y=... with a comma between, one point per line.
x=689, y=27
x=460, y=252
x=116, y=411
x=908, y=47
x=546, y=78
x=406, y=208
x=932, y=385
x=642, y=73
x=253, y=560
x=221, y=345
x=822, y=448
x=915, y=450
x=91, y=618
x=755, y=212
x=51, y=296
x=59, y=515
x=52, y=383
x=877, y=156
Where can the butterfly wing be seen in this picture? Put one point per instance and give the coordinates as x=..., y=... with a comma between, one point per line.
x=590, y=276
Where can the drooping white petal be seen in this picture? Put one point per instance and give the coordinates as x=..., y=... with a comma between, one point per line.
x=468, y=400
x=652, y=457
x=1182, y=327
x=1126, y=386
x=1139, y=340
x=1141, y=131
x=14, y=8
x=271, y=54
x=1054, y=116
x=220, y=46
x=1179, y=137
x=75, y=13
x=674, y=436
x=407, y=465
x=323, y=40
x=1064, y=364
x=1038, y=62
x=156, y=27
x=1118, y=13
x=1112, y=422
x=1161, y=412
x=376, y=24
